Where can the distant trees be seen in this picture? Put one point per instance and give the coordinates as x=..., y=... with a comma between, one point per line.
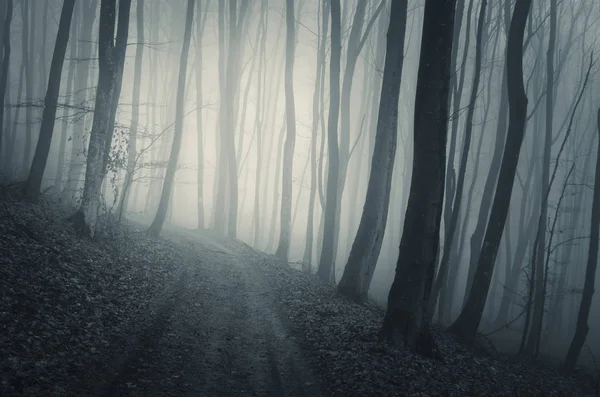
x=468, y=321
x=135, y=109
x=408, y=299
x=159, y=219
x=358, y=272
x=582, y=327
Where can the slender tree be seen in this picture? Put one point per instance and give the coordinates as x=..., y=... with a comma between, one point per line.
x=582, y=328
x=34, y=180
x=159, y=219
x=408, y=298
x=468, y=321
x=135, y=109
x=367, y=244
x=323, y=7
x=327, y=258
x=5, y=66
x=82, y=76
x=200, y=23
x=283, y=248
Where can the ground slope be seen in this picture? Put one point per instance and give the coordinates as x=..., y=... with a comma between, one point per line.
x=192, y=314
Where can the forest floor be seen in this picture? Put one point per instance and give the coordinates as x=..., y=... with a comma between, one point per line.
x=193, y=314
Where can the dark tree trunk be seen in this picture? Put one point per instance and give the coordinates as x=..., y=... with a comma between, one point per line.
x=408, y=299
x=468, y=321
x=5, y=66
x=364, y=254
x=327, y=258
x=159, y=219
x=453, y=221
x=34, y=180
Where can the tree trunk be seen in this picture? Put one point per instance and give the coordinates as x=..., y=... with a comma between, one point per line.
x=159, y=219
x=135, y=110
x=364, y=254
x=259, y=120
x=283, y=247
x=408, y=299
x=316, y=111
x=468, y=321
x=585, y=306
x=327, y=258
x=200, y=24
x=78, y=155
x=60, y=166
x=492, y=178
x=5, y=66
x=34, y=180
x=111, y=58
x=453, y=221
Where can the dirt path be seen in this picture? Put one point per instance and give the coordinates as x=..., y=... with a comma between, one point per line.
x=214, y=332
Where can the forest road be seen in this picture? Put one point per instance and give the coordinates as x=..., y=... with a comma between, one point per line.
x=214, y=332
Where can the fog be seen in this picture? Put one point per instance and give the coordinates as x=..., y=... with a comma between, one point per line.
x=570, y=196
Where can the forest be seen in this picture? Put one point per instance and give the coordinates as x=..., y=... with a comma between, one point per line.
x=435, y=162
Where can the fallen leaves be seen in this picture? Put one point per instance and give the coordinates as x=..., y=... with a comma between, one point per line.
x=351, y=361
x=64, y=300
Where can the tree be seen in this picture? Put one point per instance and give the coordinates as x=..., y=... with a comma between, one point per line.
x=82, y=74
x=409, y=295
x=200, y=23
x=460, y=183
x=316, y=116
x=34, y=180
x=135, y=109
x=468, y=321
x=367, y=244
x=283, y=248
x=5, y=65
x=539, y=250
x=587, y=294
x=159, y=219
x=356, y=42
x=111, y=58
x=327, y=258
